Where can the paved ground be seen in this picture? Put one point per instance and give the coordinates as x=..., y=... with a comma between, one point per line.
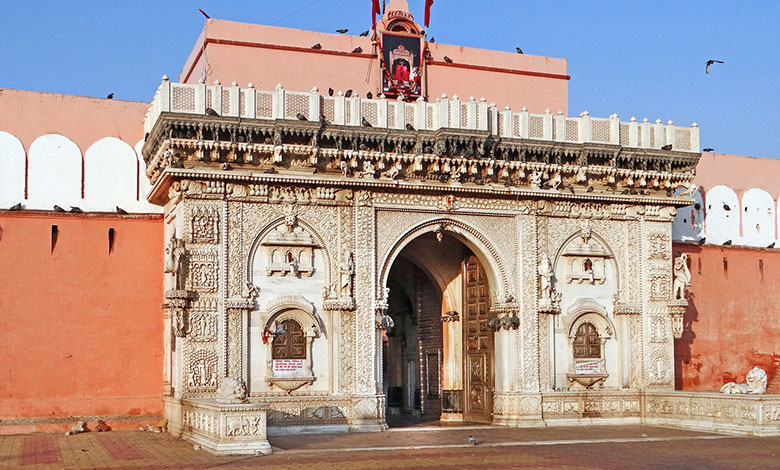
x=592, y=447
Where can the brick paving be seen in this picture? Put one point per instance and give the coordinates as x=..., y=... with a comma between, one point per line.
x=584, y=447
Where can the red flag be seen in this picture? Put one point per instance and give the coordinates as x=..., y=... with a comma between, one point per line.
x=428, y=4
x=375, y=10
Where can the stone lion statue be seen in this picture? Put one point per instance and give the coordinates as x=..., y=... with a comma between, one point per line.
x=231, y=390
x=756, y=383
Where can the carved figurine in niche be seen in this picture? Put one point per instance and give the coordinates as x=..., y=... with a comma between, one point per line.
x=175, y=253
x=756, y=383
x=682, y=276
x=347, y=274
x=545, y=276
x=180, y=326
x=588, y=268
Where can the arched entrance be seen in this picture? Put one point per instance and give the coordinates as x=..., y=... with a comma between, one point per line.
x=438, y=356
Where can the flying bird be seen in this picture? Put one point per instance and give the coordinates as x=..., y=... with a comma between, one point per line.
x=708, y=149
x=409, y=127
x=317, y=46
x=447, y=59
x=342, y=31
x=667, y=147
x=204, y=14
x=433, y=40
x=348, y=93
x=709, y=63
x=16, y=207
x=519, y=51
x=110, y=96
x=369, y=95
x=357, y=50
x=364, y=33
x=365, y=123
x=58, y=208
x=76, y=210
x=121, y=211
x=211, y=112
x=301, y=117
x=472, y=441
x=330, y=91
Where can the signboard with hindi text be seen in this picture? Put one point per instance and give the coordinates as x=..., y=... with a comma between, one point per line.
x=593, y=367
x=289, y=367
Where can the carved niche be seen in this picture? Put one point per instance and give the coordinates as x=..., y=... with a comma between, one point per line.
x=204, y=224
x=585, y=260
x=289, y=250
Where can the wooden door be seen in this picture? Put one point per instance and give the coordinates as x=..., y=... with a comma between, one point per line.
x=477, y=345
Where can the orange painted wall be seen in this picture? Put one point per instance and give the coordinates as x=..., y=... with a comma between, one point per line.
x=81, y=330
x=731, y=321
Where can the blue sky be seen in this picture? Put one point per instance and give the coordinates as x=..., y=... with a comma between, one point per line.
x=642, y=59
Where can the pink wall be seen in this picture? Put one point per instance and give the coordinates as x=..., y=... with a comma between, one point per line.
x=267, y=55
x=731, y=322
x=738, y=172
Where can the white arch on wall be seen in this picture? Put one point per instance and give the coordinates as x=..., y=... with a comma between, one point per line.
x=12, y=163
x=110, y=176
x=54, y=172
x=758, y=218
x=720, y=224
x=688, y=224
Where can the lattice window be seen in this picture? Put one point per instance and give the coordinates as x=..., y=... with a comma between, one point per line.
x=639, y=136
x=391, y=108
x=555, y=129
x=296, y=104
x=183, y=99
x=265, y=104
x=348, y=111
x=225, y=101
x=515, y=125
x=682, y=139
x=652, y=138
x=599, y=131
x=587, y=344
x=500, y=123
x=477, y=116
x=453, y=108
x=572, y=130
x=536, y=124
x=209, y=99
x=241, y=102
x=624, y=134
x=409, y=114
x=291, y=344
x=370, y=112
x=328, y=108
x=429, y=117
x=464, y=116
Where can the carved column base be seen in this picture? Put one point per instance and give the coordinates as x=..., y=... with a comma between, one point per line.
x=226, y=429
x=517, y=409
x=368, y=414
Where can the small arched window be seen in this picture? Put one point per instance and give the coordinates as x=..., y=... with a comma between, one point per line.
x=290, y=257
x=587, y=344
x=588, y=265
x=291, y=344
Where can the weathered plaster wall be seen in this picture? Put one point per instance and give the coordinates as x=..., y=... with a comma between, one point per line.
x=731, y=321
x=267, y=55
x=82, y=325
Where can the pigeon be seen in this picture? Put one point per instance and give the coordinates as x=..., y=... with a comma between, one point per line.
x=110, y=96
x=667, y=147
x=268, y=140
x=357, y=50
x=571, y=188
x=727, y=242
x=121, y=211
x=433, y=40
x=146, y=137
x=625, y=191
x=58, y=208
x=271, y=170
x=703, y=239
x=365, y=123
x=708, y=149
x=348, y=93
x=226, y=166
x=709, y=63
x=75, y=210
x=726, y=207
x=590, y=189
x=342, y=31
x=364, y=33
x=472, y=441
x=369, y=95
x=211, y=112
x=16, y=207
x=330, y=91
x=447, y=59
x=204, y=14
x=644, y=436
x=409, y=127
x=363, y=146
x=323, y=119
x=771, y=245
x=519, y=51
x=317, y=46
x=301, y=117
x=668, y=193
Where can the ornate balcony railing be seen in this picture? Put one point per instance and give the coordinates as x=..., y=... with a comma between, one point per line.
x=451, y=113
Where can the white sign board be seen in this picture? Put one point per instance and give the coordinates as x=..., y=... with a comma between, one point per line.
x=588, y=368
x=289, y=367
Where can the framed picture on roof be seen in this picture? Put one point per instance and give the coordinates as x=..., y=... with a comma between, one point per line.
x=402, y=67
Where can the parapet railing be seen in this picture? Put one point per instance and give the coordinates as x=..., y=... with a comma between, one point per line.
x=452, y=113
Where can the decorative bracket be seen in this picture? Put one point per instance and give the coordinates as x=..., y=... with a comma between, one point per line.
x=677, y=309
